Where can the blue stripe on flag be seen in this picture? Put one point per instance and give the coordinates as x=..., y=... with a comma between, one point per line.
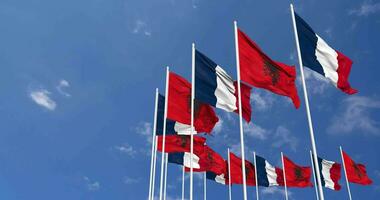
x=320, y=170
x=176, y=158
x=308, y=44
x=262, y=177
x=205, y=79
x=160, y=118
x=210, y=175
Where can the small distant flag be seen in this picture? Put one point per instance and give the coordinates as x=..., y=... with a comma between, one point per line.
x=184, y=159
x=257, y=69
x=172, y=127
x=330, y=172
x=267, y=175
x=180, y=143
x=221, y=178
x=356, y=172
x=237, y=173
x=296, y=176
x=215, y=87
x=320, y=57
x=179, y=106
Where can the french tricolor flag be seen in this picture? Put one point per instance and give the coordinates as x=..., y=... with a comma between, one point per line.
x=330, y=172
x=183, y=158
x=320, y=57
x=217, y=178
x=215, y=87
x=267, y=175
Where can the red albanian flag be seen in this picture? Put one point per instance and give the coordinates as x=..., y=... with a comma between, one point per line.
x=296, y=176
x=237, y=171
x=180, y=143
x=257, y=69
x=179, y=106
x=210, y=161
x=356, y=172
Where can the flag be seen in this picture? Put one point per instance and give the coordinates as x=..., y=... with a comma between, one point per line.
x=179, y=106
x=320, y=57
x=330, y=172
x=245, y=100
x=215, y=87
x=237, y=172
x=172, y=127
x=180, y=143
x=266, y=173
x=296, y=176
x=356, y=172
x=217, y=178
x=257, y=69
x=184, y=159
x=210, y=161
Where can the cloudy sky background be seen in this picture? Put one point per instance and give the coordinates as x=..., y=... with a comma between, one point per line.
x=78, y=78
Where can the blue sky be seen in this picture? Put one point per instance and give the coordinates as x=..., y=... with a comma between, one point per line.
x=77, y=88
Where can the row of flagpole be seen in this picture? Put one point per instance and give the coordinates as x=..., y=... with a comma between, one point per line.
x=163, y=176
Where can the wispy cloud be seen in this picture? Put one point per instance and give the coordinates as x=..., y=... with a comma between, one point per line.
x=316, y=83
x=255, y=131
x=42, y=98
x=145, y=129
x=61, y=86
x=274, y=190
x=130, y=180
x=140, y=27
x=365, y=9
x=126, y=149
x=218, y=127
x=283, y=137
x=262, y=100
x=356, y=115
x=91, y=185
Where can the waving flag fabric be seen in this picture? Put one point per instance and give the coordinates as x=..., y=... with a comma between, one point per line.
x=215, y=87
x=356, y=172
x=172, y=127
x=320, y=57
x=210, y=161
x=180, y=143
x=237, y=172
x=179, y=106
x=266, y=173
x=296, y=176
x=330, y=172
x=245, y=100
x=184, y=159
x=257, y=69
x=217, y=178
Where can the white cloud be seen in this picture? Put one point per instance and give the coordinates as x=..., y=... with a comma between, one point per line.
x=126, y=149
x=145, y=129
x=315, y=82
x=255, y=131
x=262, y=100
x=365, y=9
x=356, y=115
x=41, y=97
x=141, y=27
x=91, y=185
x=283, y=137
x=129, y=180
x=274, y=190
x=218, y=127
x=60, y=87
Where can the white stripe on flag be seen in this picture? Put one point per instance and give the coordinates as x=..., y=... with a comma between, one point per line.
x=183, y=129
x=186, y=160
x=326, y=167
x=225, y=98
x=271, y=174
x=220, y=179
x=328, y=58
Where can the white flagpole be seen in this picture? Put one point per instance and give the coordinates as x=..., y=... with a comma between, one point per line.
x=257, y=183
x=240, y=112
x=314, y=148
x=204, y=186
x=284, y=173
x=153, y=144
x=345, y=173
x=229, y=175
x=154, y=166
x=192, y=118
x=183, y=182
x=315, y=180
x=166, y=174
x=164, y=132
